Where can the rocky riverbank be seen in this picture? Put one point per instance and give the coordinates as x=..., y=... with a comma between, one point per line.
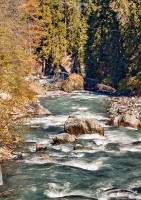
x=125, y=111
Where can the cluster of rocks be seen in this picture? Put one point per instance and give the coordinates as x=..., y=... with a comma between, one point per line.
x=75, y=127
x=125, y=111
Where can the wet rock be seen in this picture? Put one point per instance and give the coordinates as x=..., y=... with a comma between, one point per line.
x=17, y=155
x=41, y=148
x=136, y=143
x=125, y=111
x=73, y=82
x=137, y=190
x=76, y=126
x=78, y=147
x=63, y=138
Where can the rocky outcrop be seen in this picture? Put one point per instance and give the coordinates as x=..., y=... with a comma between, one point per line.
x=73, y=82
x=76, y=126
x=63, y=138
x=36, y=109
x=125, y=111
x=37, y=88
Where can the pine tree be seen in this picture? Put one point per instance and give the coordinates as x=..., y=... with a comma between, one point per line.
x=104, y=54
x=75, y=26
x=129, y=16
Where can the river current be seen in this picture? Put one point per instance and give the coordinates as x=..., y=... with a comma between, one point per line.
x=95, y=167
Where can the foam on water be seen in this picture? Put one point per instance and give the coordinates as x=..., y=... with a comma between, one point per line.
x=92, y=166
x=135, y=184
x=38, y=160
x=83, y=108
x=64, y=190
x=63, y=148
x=88, y=115
x=91, y=136
x=56, y=191
x=120, y=137
x=118, y=193
x=77, y=155
x=86, y=96
x=45, y=122
x=131, y=148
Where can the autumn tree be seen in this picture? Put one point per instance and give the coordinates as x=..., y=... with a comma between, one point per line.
x=15, y=64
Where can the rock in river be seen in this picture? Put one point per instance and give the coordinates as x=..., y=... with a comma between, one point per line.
x=73, y=82
x=76, y=126
x=63, y=138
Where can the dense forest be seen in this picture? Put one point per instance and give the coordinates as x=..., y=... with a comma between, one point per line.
x=103, y=37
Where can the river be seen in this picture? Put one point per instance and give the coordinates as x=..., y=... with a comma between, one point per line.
x=95, y=167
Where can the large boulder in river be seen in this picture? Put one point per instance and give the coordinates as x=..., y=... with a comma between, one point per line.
x=76, y=126
x=63, y=138
x=73, y=82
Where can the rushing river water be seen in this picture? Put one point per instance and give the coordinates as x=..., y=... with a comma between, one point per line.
x=95, y=167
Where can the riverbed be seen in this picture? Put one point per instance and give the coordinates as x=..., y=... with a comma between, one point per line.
x=95, y=167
